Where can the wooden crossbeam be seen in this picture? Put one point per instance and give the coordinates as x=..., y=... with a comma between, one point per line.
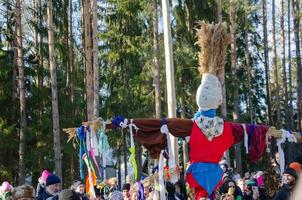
x=278, y=133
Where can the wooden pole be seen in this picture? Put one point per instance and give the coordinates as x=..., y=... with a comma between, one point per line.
x=171, y=100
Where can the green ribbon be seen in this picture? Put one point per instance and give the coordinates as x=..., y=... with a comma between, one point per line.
x=133, y=161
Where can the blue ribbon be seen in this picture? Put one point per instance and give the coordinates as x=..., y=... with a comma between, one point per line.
x=155, y=169
x=208, y=113
x=117, y=120
x=82, y=137
x=252, y=130
x=140, y=194
x=164, y=120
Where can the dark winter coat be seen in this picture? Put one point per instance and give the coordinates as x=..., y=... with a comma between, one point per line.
x=46, y=196
x=284, y=193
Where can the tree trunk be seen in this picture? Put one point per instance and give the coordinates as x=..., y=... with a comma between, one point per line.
x=233, y=28
x=88, y=59
x=221, y=77
x=234, y=61
x=267, y=73
x=36, y=21
x=276, y=81
x=248, y=69
x=156, y=78
x=295, y=4
x=54, y=93
x=40, y=74
x=95, y=53
x=218, y=11
x=291, y=117
x=21, y=81
x=284, y=79
x=72, y=166
x=14, y=84
x=70, y=58
x=169, y=72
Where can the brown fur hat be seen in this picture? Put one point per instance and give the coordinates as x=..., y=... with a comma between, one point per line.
x=23, y=191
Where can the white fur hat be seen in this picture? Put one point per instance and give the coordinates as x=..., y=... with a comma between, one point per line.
x=209, y=93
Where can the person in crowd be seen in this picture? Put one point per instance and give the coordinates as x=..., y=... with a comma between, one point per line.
x=69, y=194
x=296, y=166
x=247, y=176
x=179, y=193
x=51, y=192
x=276, y=162
x=147, y=191
x=113, y=184
x=260, y=178
x=290, y=178
x=134, y=195
x=125, y=190
x=251, y=192
x=229, y=190
x=5, y=190
x=116, y=195
x=79, y=188
x=23, y=192
x=42, y=182
x=170, y=191
x=298, y=159
x=98, y=193
x=241, y=184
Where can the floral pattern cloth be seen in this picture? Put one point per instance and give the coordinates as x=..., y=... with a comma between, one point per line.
x=210, y=126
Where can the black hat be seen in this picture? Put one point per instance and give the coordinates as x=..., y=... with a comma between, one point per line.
x=298, y=159
x=68, y=194
x=52, y=179
x=126, y=186
x=291, y=172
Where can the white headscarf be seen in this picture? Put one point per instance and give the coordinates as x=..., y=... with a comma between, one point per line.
x=209, y=93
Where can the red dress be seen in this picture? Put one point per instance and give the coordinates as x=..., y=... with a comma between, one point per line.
x=207, y=154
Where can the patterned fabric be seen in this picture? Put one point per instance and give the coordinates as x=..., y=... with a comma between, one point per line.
x=211, y=127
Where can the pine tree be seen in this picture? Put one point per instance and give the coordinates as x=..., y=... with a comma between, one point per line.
x=21, y=81
x=54, y=91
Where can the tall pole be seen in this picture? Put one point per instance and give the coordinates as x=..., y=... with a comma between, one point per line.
x=169, y=72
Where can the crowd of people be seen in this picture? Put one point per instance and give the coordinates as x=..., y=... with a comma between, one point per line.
x=252, y=186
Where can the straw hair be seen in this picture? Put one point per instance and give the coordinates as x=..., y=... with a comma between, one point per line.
x=213, y=40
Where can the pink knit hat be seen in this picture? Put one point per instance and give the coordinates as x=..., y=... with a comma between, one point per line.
x=6, y=187
x=45, y=174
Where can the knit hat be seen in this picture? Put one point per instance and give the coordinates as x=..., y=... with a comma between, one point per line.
x=209, y=93
x=45, y=174
x=296, y=166
x=76, y=184
x=291, y=172
x=23, y=191
x=126, y=186
x=68, y=194
x=116, y=195
x=52, y=179
x=6, y=187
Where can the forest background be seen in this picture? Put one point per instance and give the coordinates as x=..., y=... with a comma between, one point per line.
x=64, y=62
